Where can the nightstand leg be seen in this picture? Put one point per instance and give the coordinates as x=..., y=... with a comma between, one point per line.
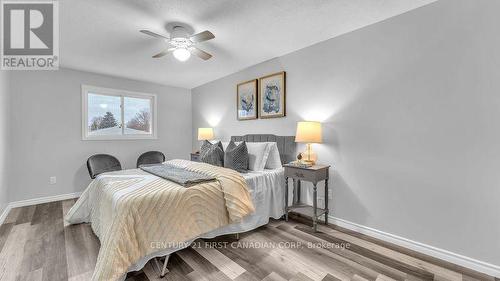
x=286, y=198
x=298, y=190
x=315, y=207
x=326, y=201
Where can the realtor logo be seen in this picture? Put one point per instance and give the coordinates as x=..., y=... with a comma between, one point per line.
x=30, y=35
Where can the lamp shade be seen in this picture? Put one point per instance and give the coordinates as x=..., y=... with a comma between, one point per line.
x=308, y=132
x=205, y=134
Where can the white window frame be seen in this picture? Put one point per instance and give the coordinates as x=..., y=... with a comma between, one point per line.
x=86, y=89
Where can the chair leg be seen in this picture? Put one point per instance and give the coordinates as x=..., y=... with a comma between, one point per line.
x=163, y=268
x=164, y=271
x=157, y=263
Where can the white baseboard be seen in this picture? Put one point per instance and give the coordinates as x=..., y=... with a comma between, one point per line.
x=4, y=214
x=477, y=265
x=36, y=201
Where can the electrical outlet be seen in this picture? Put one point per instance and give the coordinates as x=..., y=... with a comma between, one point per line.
x=52, y=180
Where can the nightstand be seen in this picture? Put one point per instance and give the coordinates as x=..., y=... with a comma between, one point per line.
x=195, y=157
x=314, y=175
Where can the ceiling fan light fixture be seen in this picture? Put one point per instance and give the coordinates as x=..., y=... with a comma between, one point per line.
x=182, y=54
x=181, y=44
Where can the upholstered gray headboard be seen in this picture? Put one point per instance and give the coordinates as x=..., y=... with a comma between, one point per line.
x=286, y=144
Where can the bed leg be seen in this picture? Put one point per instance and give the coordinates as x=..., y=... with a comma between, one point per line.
x=162, y=269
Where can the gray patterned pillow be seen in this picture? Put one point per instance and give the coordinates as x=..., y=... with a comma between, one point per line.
x=236, y=157
x=212, y=153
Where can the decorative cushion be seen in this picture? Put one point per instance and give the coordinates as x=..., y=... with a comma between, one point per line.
x=210, y=143
x=212, y=153
x=236, y=157
x=274, y=159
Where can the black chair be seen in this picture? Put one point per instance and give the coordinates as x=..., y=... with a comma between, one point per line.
x=150, y=157
x=102, y=163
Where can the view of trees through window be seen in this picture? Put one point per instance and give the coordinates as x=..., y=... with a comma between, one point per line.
x=137, y=113
x=103, y=122
x=141, y=121
x=105, y=115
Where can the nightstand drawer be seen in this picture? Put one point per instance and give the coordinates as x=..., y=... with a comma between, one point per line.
x=306, y=175
x=297, y=173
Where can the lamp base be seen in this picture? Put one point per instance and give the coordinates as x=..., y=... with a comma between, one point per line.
x=308, y=162
x=309, y=156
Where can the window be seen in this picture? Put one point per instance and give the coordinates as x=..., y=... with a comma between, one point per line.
x=110, y=114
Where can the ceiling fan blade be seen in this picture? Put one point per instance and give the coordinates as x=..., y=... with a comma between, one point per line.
x=202, y=54
x=202, y=36
x=163, y=53
x=150, y=33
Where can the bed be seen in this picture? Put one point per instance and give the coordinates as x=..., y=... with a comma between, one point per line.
x=247, y=208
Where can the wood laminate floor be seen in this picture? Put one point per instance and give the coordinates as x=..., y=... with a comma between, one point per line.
x=36, y=245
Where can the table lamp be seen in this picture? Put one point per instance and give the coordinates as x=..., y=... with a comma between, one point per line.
x=205, y=134
x=308, y=132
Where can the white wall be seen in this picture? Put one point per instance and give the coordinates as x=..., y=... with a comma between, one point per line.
x=410, y=108
x=4, y=137
x=46, y=130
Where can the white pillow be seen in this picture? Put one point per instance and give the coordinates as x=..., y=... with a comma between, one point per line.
x=226, y=143
x=258, y=152
x=274, y=160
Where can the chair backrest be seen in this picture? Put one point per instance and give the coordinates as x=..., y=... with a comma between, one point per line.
x=102, y=163
x=150, y=157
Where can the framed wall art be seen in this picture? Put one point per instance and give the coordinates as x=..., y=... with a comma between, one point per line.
x=272, y=95
x=247, y=100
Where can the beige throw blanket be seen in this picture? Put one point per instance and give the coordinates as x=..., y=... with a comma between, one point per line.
x=132, y=212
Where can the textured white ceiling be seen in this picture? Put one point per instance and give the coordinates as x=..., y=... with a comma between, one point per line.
x=102, y=35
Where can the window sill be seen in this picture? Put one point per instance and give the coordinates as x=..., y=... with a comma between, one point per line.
x=109, y=138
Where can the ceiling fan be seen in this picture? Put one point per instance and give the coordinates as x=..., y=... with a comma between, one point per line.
x=182, y=45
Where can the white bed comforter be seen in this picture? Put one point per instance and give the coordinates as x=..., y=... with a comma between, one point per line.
x=132, y=211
